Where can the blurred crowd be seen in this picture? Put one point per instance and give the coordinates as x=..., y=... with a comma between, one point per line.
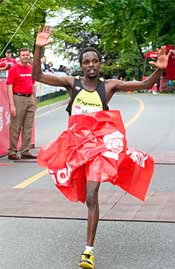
x=46, y=66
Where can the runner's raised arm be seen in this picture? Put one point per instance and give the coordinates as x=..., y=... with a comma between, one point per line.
x=161, y=64
x=43, y=39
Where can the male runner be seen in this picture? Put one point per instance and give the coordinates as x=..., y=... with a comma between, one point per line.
x=88, y=94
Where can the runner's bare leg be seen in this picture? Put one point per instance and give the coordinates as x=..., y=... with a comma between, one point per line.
x=93, y=210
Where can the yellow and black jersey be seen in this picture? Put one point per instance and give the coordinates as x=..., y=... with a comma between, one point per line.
x=84, y=101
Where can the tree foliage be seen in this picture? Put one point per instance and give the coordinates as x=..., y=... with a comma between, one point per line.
x=123, y=30
x=19, y=21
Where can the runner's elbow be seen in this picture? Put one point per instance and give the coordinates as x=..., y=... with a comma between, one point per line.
x=36, y=76
x=147, y=85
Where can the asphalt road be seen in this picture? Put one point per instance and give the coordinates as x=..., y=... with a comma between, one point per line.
x=43, y=243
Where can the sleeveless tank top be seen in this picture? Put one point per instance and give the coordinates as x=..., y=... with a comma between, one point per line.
x=84, y=101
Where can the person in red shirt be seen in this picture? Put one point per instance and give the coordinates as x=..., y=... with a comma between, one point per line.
x=22, y=104
x=7, y=61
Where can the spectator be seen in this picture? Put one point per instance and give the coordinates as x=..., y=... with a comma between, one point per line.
x=50, y=67
x=22, y=103
x=44, y=64
x=7, y=61
x=170, y=84
x=61, y=71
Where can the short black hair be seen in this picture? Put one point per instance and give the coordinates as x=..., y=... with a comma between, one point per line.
x=89, y=49
x=9, y=51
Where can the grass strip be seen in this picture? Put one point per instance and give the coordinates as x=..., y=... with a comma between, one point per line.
x=52, y=100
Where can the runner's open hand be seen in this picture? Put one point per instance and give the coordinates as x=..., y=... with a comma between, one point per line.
x=44, y=36
x=162, y=59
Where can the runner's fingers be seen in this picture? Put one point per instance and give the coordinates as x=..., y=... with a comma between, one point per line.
x=163, y=50
x=152, y=62
x=170, y=51
x=39, y=29
x=47, y=29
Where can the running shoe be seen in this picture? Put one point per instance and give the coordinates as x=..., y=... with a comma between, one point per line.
x=87, y=260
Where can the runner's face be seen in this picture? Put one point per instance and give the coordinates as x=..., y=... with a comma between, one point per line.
x=90, y=64
x=24, y=57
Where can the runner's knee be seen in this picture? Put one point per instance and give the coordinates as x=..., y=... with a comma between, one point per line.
x=91, y=198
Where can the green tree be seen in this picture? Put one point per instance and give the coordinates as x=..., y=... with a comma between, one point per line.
x=19, y=21
x=125, y=29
